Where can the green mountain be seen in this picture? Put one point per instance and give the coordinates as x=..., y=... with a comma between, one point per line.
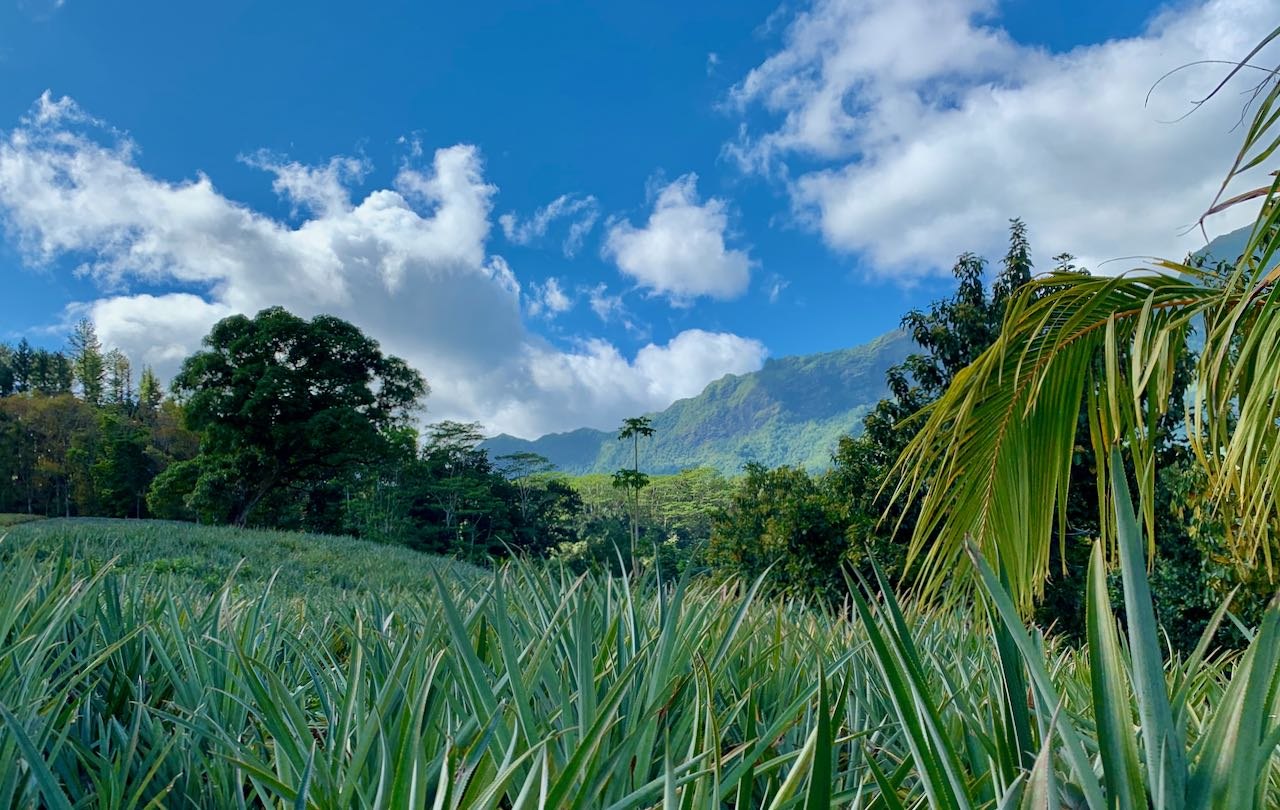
x=792, y=411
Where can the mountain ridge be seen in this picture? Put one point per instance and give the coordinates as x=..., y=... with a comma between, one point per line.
x=793, y=410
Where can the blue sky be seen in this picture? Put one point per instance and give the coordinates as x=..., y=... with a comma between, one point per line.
x=568, y=212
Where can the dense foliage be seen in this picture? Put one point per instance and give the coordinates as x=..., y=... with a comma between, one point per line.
x=296, y=424
x=284, y=403
x=76, y=437
x=279, y=422
x=808, y=530
x=803, y=527
x=293, y=424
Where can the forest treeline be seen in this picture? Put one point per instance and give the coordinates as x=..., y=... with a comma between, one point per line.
x=83, y=432
x=300, y=424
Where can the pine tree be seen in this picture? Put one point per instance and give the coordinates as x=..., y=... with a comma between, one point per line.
x=150, y=394
x=87, y=362
x=50, y=373
x=23, y=366
x=119, y=379
x=6, y=370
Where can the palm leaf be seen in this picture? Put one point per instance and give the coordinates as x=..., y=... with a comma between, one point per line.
x=992, y=458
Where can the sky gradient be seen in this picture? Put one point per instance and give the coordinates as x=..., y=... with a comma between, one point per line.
x=567, y=213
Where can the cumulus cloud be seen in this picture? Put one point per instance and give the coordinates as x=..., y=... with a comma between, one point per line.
x=159, y=330
x=681, y=252
x=911, y=130
x=407, y=263
x=580, y=211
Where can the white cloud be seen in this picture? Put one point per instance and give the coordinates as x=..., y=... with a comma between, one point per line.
x=582, y=212
x=911, y=130
x=775, y=287
x=604, y=305
x=549, y=299
x=319, y=189
x=159, y=330
x=597, y=379
x=554, y=297
x=610, y=308
x=407, y=263
x=681, y=251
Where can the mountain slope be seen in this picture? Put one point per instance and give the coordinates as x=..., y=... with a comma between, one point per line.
x=792, y=411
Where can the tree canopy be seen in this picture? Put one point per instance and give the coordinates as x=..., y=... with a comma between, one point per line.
x=282, y=401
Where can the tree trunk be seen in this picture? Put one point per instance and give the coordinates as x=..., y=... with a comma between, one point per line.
x=243, y=517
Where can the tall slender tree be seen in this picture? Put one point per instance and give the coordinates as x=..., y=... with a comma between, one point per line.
x=6, y=370
x=87, y=362
x=150, y=394
x=22, y=363
x=633, y=480
x=119, y=390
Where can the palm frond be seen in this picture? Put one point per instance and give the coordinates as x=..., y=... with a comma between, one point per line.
x=993, y=456
x=992, y=460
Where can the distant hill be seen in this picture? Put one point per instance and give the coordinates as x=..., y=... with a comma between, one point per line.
x=1225, y=248
x=1229, y=246
x=792, y=411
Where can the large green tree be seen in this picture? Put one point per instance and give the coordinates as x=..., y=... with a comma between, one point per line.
x=123, y=469
x=783, y=521
x=286, y=403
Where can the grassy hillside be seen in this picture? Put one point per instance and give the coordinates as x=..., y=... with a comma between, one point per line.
x=7, y=519
x=792, y=411
x=207, y=556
